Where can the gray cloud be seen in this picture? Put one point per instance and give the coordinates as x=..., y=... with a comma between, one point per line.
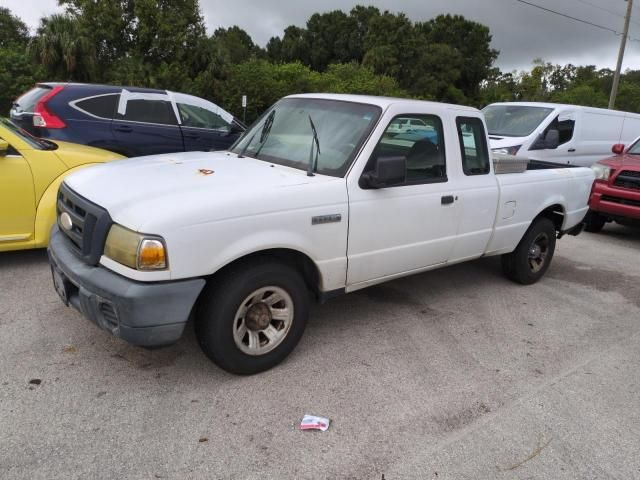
x=520, y=32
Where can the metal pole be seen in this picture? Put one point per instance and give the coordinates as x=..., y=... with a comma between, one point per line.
x=623, y=44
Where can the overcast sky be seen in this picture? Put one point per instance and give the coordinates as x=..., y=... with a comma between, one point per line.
x=520, y=32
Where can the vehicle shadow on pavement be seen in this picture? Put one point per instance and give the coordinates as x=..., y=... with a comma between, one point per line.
x=373, y=307
x=622, y=232
x=23, y=258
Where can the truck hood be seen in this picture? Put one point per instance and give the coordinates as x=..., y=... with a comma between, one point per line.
x=631, y=162
x=183, y=189
x=496, y=141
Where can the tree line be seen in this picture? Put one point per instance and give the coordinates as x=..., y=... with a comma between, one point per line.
x=164, y=44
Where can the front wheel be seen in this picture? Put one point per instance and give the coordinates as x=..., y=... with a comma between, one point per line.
x=532, y=257
x=594, y=222
x=252, y=318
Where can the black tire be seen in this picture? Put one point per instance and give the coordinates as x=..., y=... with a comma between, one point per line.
x=532, y=257
x=594, y=222
x=216, y=316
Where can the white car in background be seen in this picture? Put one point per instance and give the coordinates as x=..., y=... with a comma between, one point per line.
x=408, y=125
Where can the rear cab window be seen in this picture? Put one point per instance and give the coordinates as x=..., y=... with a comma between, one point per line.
x=473, y=146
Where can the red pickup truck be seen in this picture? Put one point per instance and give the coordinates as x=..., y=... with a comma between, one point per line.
x=615, y=194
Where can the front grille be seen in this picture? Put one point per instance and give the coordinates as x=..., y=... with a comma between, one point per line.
x=90, y=224
x=621, y=201
x=628, y=179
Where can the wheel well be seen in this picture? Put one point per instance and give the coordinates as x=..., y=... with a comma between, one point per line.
x=555, y=213
x=298, y=260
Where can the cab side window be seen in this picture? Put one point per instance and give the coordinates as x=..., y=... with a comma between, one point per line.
x=565, y=128
x=422, y=147
x=473, y=146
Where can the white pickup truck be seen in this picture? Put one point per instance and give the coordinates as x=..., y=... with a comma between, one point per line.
x=318, y=198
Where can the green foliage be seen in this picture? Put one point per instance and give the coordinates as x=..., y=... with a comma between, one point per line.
x=570, y=84
x=264, y=83
x=63, y=49
x=17, y=74
x=13, y=32
x=472, y=43
x=164, y=44
x=581, y=95
x=357, y=79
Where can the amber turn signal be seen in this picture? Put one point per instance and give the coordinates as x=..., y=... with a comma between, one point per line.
x=151, y=255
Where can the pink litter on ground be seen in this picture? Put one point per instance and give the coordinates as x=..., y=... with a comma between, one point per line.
x=311, y=422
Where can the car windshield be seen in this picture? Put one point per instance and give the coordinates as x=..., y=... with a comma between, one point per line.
x=37, y=143
x=283, y=135
x=514, y=120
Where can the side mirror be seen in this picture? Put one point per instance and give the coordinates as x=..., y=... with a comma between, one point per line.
x=550, y=141
x=618, y=149
x=4, y=147
x=387, y=172
x=236, y=127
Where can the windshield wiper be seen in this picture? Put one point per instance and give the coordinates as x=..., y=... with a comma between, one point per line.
x=264, y=133
x=246, y=145
x=313, y=162
x=266, y=130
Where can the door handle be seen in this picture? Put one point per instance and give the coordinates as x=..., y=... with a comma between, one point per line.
x=571, y=150
x=191, y=136
x=447, y=200
x=123, y=128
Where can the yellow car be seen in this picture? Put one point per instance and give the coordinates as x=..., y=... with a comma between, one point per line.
x=31, y=170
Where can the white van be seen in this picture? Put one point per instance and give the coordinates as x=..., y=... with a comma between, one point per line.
x=567, y=134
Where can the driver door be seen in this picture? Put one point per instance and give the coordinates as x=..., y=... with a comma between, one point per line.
x=407, y=227
x=17, y=199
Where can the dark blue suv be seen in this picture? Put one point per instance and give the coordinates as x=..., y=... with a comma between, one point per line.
x=127, y=120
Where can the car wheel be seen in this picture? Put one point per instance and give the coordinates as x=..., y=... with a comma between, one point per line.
x=532, y=257
x=250, y=319
x=594, y=222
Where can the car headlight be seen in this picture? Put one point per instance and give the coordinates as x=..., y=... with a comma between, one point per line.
x=507, y=150
x=602, y=171
x=135, y=250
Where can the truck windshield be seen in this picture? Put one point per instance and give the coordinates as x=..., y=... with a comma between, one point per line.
x=514, y=120
x=635, y=149
x=342, y=128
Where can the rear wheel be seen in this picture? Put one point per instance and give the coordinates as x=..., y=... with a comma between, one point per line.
x=594, y=222
x=532, y=257
x=252, y=318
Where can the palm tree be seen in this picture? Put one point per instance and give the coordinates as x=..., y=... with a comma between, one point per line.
x=63, y=49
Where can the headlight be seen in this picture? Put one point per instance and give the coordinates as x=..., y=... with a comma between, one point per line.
x=602, y=171
x=135, y=250
x=507, y=150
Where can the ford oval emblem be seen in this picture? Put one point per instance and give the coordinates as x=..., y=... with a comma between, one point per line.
x=65, y=221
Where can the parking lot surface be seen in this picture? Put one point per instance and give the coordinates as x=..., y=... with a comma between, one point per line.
x=451, y=374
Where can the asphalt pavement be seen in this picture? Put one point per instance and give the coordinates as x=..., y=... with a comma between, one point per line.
x=452, y=374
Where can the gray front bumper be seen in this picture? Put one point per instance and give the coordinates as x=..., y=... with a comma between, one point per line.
x=146, y=314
